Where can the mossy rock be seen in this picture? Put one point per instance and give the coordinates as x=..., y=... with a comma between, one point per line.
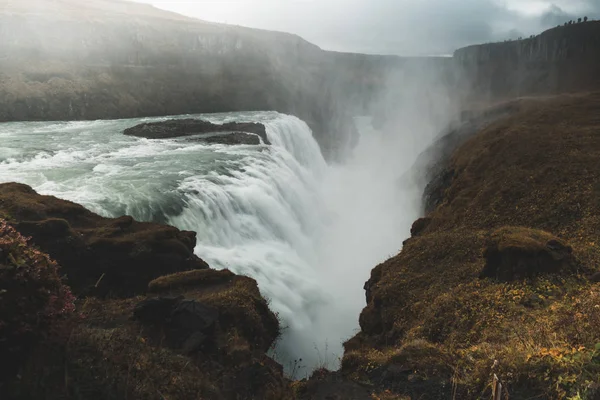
x=514, y=253
x=189, y=279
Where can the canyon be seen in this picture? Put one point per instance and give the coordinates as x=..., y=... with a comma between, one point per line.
x=497, y=277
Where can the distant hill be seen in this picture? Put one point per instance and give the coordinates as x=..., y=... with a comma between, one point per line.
x=62, y=59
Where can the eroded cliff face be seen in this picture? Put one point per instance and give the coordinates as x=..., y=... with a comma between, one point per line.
x=560, y=60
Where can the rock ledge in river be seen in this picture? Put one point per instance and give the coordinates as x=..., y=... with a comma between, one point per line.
x=235, y=132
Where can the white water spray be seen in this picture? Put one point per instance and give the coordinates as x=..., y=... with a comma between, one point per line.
x=309, y=233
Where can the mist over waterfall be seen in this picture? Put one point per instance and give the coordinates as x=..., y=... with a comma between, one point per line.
x=308, y=232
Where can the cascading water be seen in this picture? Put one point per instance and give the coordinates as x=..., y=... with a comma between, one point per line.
x=309, y=233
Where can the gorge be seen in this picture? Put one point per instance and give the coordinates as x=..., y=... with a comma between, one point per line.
x=292, y=219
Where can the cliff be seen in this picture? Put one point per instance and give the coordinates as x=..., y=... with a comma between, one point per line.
x=560, y=60
x=498, y=277
x=67, y=60
x=150, y=320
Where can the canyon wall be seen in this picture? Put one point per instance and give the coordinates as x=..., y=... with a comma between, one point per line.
x=560, y=60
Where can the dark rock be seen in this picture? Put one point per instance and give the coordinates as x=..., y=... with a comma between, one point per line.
x=533, y=301
x=518, y=253
x=156, y=311
x=238, y=132
x=256, y=376
x=326, y=385
x=187, y=324
x=119, y=256
x=419, y=225
x=193, y=343
x=436, y=188
x=189, y=317
x=595, y=278
x=233, y=139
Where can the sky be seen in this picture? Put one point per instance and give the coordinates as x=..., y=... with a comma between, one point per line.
x=401, y=27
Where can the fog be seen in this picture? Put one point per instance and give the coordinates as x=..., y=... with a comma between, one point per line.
x=139, y=67
x=401, y=27
x=165, y=65
x=372, y=206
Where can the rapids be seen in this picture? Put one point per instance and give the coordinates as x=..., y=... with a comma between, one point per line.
x=308, y=232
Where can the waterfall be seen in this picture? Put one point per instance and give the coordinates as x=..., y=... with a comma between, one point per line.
x=308, y=232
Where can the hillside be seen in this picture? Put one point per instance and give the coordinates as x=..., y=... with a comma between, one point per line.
x=496, y=278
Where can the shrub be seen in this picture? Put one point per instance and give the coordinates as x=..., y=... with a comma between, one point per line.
x=32, y=299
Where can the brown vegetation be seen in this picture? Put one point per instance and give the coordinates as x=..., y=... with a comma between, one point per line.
x=119, y=256
x=33, y=300
x=209, y=342
x=520, y=190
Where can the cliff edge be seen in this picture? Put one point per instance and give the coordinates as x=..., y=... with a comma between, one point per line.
x=499, y=278
x=148, y=319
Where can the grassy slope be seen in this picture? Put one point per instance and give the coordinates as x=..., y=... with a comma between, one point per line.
x=433, y=329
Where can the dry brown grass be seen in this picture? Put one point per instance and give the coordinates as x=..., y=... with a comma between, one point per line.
x=108, y=355
x=196, y=278
x=522, y=182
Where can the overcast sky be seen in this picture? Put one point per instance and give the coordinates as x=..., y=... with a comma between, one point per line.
x=403, y=27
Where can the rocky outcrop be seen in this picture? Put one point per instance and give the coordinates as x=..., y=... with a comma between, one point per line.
x=188, y=325
x=234, y=132
x=98, y=255
x=519, y=253
x=201, y=334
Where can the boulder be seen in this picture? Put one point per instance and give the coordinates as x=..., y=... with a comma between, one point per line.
x=234, y=138
x=237, y=132
x=187, y=324
x=419, y=226
x=514, y=253
x=98, y=255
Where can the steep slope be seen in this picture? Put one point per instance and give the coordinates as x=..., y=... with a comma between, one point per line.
x=495, y=280
x=561, y=60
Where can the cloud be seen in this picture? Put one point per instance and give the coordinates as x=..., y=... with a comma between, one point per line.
x=405, y=27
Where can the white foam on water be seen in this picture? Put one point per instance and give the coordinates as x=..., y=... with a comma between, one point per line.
x=309, y=233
